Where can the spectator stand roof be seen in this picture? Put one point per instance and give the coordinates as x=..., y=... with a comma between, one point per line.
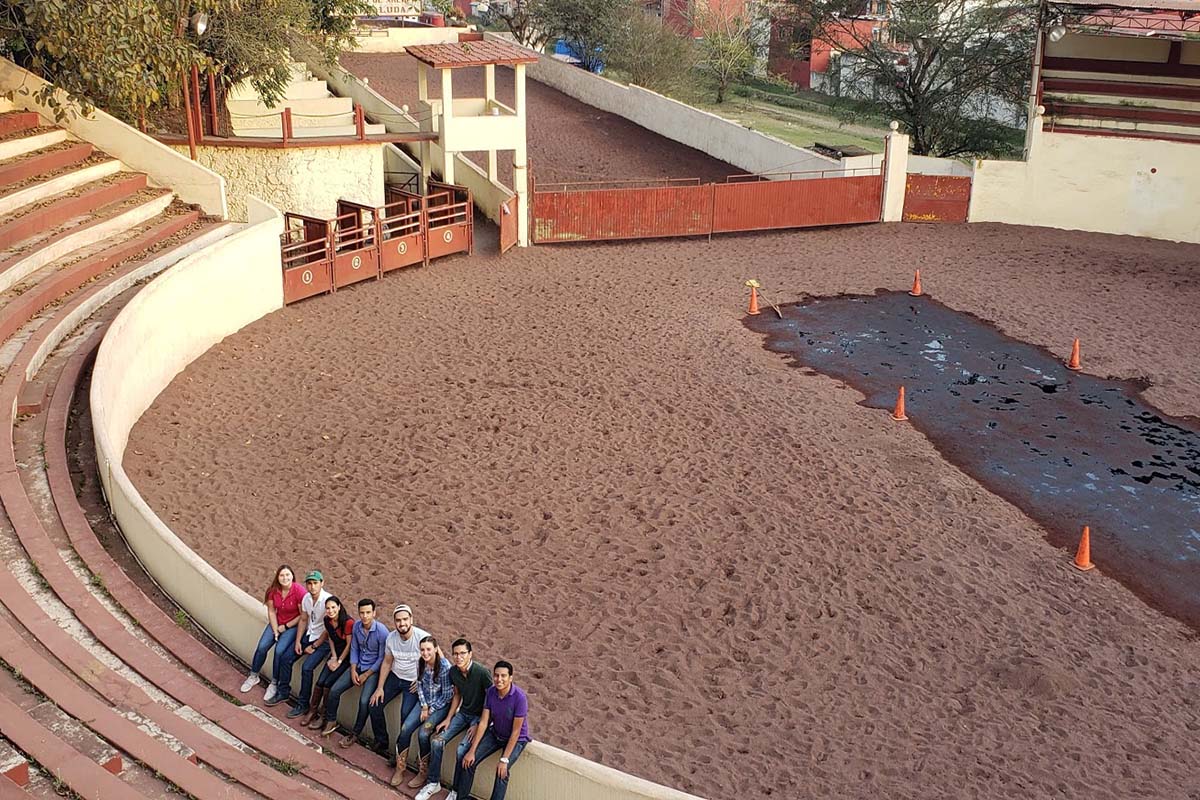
x=471, y=54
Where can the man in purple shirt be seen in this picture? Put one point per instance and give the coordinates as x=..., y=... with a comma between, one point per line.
x=504, y=726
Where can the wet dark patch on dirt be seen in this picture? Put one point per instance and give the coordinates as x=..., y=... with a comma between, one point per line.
x=1068, y=448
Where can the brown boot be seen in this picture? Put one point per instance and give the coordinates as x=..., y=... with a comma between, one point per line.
x=316, y=707
x=401, y=764
x=422, y=773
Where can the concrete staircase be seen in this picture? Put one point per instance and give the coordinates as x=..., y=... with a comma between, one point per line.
x=104, y=693
x=315, y=111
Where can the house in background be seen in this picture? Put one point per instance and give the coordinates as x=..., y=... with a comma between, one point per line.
x=808, y=62
x=680, y=15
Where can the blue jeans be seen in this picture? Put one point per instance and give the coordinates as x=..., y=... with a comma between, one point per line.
x=330, y=676
x=364, y=698
x=489, y=744
x=311, y=662
x=393, y=687
x=458, y=723
x=425, y=732
x=283, y=655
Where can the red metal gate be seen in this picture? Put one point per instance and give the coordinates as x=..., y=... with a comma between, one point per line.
x=649, y=209
x=355, y=246
x=508, y=224
x=401, y=230
x=624, y=210
x=307, y=265
x=745, y=204
x=450, y=218
x=937, y=198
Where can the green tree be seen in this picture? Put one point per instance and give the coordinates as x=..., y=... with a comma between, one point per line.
x=127, y=56
x=653, y=56
x=731, y=42
x=936, y=66
x=523, y=20
x=589, y=26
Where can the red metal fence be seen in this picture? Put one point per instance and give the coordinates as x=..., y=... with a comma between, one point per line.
x=364, y=242
x=650, y=209
x=937, y=198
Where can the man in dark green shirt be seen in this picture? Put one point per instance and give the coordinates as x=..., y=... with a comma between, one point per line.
x=471, y=681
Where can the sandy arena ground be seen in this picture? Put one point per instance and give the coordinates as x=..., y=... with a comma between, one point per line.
x=567, y=140
x=711, y=569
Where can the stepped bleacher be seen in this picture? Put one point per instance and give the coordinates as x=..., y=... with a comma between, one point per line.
x=315, y=112
x=105, y=693
x=1139, y=87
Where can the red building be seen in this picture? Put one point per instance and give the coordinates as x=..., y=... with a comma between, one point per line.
x=796, y=55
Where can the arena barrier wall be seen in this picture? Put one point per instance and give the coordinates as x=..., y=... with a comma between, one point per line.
x=191, y=182
x=489, y=195
x=173, y=321
x=708, y=133
x=1140, y=187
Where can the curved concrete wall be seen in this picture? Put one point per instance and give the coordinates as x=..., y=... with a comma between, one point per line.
x=171, y=322
x=190, y=181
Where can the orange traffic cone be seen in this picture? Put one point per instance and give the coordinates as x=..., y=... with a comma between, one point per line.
x=753, y=300
x=1083, y=556
x=916, y=290
x=899, y=414
x=1073, y=363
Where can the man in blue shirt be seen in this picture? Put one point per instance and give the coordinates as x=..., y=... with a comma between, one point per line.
x=367, y=641
x=504, y=726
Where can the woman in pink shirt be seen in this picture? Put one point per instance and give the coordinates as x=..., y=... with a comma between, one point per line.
x=283, y=598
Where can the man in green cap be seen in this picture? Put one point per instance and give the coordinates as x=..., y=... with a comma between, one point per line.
x=312, y=628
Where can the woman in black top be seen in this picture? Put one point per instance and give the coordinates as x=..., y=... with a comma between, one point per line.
x=338, y=625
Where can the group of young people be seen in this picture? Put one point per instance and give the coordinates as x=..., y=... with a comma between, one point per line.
x=439, y=697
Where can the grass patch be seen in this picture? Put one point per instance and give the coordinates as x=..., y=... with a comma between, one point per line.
x=286, y=767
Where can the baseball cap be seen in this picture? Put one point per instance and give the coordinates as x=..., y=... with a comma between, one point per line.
x=315, y=575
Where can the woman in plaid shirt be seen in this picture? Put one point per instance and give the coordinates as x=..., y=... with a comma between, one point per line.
x=434, y=691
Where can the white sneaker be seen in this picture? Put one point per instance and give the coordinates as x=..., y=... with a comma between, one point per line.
x=250, y=682
x=452, y=796
x=428, y=791
x=272, y=690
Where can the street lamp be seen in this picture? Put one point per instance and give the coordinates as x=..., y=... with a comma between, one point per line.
x=1058, y=30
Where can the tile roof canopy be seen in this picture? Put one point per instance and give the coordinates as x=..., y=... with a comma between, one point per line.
x=471, y=54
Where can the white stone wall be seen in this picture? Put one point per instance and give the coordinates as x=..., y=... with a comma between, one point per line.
x=305, y=180
x=721, y=138
x=1141, y=187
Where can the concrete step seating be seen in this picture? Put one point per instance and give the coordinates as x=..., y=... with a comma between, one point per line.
x=315, y=112
x=98, y=675
x=1119, y=104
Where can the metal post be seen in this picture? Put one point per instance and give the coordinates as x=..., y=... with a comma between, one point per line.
x=197, y=109
x=214, y=117
x=187, y=112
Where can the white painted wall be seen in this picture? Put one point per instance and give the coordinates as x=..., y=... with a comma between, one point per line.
x=720, y=138
x=396, y=39
x=1141, y=187
x=306, y=180
x=192, y=182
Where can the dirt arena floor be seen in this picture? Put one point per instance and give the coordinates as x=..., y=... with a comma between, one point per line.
x=567, y=140
x=711, y=569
